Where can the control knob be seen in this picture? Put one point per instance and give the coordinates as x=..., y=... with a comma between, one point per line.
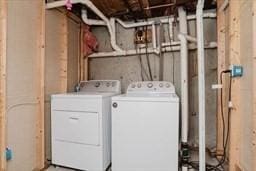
x=150, y=85
x=97, y=84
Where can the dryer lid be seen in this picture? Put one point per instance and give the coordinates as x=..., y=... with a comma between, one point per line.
x=100, y=86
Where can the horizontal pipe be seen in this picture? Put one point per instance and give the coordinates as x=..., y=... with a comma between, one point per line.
x=211, y=45
x=160, y=6
x=90, y=22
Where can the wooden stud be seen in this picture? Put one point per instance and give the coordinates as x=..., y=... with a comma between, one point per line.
x=40, y=141
x=85, y=61
x=223, y=62
x=235, y=52
x=64, y=54
x=3, y=39
x=145, y=5
x=254, y=85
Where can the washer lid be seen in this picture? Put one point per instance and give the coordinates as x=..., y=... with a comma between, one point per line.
x=151, y=87
x=167, y=97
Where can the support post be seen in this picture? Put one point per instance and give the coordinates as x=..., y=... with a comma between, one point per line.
x=223, y=63
x=64, y=54
x=236, y=113
x=40, y=141
x=3, y=39
x=254, y=85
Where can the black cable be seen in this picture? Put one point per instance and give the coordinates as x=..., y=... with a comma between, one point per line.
x=225, y=138
x=195, y=164
x=147, y=55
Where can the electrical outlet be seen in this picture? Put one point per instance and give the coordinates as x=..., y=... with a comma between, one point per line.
x=236, y=70
x=8, y=154
x=143, y=36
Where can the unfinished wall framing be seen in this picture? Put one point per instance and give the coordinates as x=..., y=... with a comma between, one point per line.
x=236, y=33
x=63, y=39
x=38, y=57
x=3, y=38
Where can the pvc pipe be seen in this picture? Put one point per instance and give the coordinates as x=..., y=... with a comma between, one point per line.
x=133, y=25
x=91, y=21
x=184, y=73
x=170, y=28
x=150, y=51
x=201, y=82
x=91, y=6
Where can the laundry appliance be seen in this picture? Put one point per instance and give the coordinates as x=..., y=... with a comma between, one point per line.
x=145, y=128
x=81, y=126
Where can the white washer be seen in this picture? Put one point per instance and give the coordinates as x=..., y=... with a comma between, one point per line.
x=145, y=128
x=81, y=126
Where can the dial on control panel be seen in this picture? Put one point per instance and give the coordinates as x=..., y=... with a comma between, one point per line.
x=150, y=85
x=97, y=84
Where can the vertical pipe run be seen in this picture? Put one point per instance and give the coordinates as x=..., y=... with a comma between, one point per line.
x=184, y=73
x=184, y=82
x=201, y=82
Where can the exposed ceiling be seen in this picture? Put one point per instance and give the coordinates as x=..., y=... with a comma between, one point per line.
x=137, y=9
x=141, y=9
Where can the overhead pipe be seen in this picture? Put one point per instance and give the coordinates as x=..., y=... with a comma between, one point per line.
x=132, y=52
x=111, y=28
x=90, y=22
x=91, y=6
x=201, y=82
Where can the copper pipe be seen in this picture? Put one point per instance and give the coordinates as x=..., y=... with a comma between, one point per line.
x=161, y=6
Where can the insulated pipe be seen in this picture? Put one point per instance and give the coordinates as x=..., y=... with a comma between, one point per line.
x=91, y=21
x=201, y=82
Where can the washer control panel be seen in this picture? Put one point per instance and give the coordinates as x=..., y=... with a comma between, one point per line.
x=151, y=87
x=100, y=86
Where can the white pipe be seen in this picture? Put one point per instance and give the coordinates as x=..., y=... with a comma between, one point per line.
x=184, y=73
x=201, y=82
x=91, y=6
x=170, y=28
x=154, y=37
x=190, y=17
x=133, y=52
x=91, y=21
x=133, y=25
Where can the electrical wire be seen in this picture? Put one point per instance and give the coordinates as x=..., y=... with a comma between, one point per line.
x=195, y=164
x=147, y=55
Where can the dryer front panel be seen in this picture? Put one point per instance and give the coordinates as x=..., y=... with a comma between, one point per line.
x=76, y=127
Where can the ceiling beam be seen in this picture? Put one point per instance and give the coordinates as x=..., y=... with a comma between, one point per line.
x=144, y=4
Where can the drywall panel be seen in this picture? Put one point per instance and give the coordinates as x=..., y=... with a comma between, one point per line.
x=128, y=69
x=22, y=104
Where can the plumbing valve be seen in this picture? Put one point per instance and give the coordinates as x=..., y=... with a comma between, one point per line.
x=184, y=153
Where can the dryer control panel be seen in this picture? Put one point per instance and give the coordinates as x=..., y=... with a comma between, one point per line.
x=100, y=86
x=151, y=87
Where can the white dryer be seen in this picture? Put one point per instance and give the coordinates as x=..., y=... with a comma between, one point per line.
x=145, y=128
x=81, y=126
